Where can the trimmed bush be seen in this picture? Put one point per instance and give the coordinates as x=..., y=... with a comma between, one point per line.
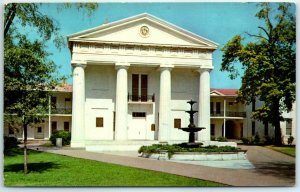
x=221, y=139
x=65, y=135
x=171, y=149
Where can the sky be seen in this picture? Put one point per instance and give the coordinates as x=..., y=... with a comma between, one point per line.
x=218, y=22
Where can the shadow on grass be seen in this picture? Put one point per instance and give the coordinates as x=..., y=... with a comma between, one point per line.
x=32, y=167
x=277, y=169
x=18, y=151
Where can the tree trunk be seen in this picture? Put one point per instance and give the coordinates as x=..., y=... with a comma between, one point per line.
x=9, y=18
x=276, y=123
x=25, y=148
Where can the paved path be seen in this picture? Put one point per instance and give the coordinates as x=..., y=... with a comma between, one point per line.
x=271, y=168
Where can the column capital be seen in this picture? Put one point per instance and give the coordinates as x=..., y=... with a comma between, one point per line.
x=202, y=69
x=78, y=64
x=166, y=66
x=122, y=65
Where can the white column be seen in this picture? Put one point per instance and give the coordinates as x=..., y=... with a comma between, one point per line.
x=121, y=102
x=204, y=104
x=49, y=117
x=165, y=103
x=224, y=127
x=78, y=105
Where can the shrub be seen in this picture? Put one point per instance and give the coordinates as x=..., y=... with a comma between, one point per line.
x=290, y=140
x=65, y=135
x=268, y=140
x=10, y=143
x=221, y=139
x=213, y=138
x=245, y=140
x=256, y=139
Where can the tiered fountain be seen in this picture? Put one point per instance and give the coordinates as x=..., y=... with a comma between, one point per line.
x=192, y=129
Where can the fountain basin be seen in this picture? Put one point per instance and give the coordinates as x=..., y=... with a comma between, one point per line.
x=197, y=156
x=192, y=129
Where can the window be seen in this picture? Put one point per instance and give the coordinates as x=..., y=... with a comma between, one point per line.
x=144, y=87
x=288, y=123
x=54, y=126
x=177, y=123
x=39, y=130
x=253, y=127
x=230, y=103
x=66, y=126
x=139, y=87
x=53, y=102
x=138, y=114
x=218, y=107
x=211, y=108
x=152, y=127
x=212, y=129
x=99, y=122
x=135, y=87
x=67, y=99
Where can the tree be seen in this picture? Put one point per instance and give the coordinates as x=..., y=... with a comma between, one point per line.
x=28, y=73
x=29, y=14
x=269, y=63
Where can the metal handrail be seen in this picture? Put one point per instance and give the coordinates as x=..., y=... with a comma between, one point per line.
x=141, y=98
x=63, y=110
x=228, y=114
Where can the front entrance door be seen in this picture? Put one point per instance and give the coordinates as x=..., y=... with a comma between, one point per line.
x=137, y=130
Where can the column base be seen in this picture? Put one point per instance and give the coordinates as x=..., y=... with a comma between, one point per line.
x=77, y=144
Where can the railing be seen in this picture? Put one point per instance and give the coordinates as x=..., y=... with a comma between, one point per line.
x=217, y=113
x=228, y=114
x=141, y=98
x=61, y=111
x=235, y=114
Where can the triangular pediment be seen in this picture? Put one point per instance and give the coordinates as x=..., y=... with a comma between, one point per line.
x=215, y=93
x=143, y=29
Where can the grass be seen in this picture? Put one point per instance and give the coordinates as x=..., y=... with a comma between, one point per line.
x=287, y=149
x=47, y=169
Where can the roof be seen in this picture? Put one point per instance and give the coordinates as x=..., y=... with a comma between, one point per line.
x=146, y=17
x=64, y=88
x=223, y=92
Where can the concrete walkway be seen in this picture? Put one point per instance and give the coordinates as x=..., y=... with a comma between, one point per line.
x=271, y=168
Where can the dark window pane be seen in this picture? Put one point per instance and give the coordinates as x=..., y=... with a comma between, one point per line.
x=99, y=121
x=177, y=123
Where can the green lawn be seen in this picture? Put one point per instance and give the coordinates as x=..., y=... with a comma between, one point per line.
x=56, y=170
x=288, y=150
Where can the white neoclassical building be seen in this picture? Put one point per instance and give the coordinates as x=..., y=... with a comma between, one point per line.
x=131, y=81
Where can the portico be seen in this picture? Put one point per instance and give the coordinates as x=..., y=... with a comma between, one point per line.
x=131, y=81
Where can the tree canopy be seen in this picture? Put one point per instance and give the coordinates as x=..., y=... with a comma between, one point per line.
x=269, y=63
x=28, y=72
x=29, y=14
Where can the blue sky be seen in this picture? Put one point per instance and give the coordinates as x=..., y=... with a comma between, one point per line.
x=218, y=22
